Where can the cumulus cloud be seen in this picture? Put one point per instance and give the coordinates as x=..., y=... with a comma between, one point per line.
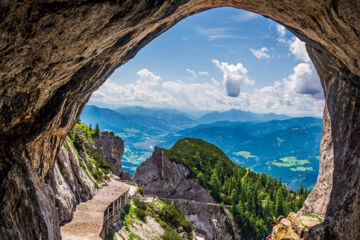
x=298, y=94
x=233, y=77
x=306, y=81
x=148, y=78
x=260, y=53
x=298, y=49
x=160, y=93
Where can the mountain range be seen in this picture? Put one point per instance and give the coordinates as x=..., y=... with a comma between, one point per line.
x=284, y=147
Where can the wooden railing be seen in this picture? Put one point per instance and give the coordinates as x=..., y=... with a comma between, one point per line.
x=112, y=213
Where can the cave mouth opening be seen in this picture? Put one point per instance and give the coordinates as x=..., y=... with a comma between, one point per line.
x=168, y=81
x=300, y=91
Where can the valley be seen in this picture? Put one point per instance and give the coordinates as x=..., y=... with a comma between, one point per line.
x=278, y=145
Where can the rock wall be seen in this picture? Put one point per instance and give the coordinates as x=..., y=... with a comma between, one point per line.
x=71, y=180
x=113, y=149
x=54, y=54
x=70, y=183
x=167, y=179
x=336, y=196
x=164, y=178
x=208, y=220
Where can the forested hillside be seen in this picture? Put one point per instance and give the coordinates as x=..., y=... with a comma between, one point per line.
x=255, y=199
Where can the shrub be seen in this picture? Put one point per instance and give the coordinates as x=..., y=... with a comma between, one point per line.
x=139, y=204
x=172, y=215
x=140, y=213
x=141, y=190
x=110, y=236
x=170, y=234
x=78, y=142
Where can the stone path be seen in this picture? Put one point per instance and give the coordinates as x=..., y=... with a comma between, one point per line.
x=88, y=217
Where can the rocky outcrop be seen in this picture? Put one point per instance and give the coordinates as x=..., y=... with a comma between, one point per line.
x=164, y=178
x=170, y=180
x=113, y=149
x=71, y=184
x=71, y=179
x=297, y=226
x=208, y=220
x=54, y=54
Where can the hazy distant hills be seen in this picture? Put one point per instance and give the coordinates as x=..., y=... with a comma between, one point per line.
x=286, y=148
x=147, y=118
x=148, y=121
x=234, y=115
x=170, y=117
x=227, y=134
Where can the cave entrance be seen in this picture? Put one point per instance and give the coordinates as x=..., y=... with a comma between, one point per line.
x=215, y=66
x=228, y=60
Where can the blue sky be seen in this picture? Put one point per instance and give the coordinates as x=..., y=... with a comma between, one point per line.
x=217, y=60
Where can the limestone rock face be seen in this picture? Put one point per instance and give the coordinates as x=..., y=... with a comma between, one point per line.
x=54, y=54
x=208, y=220
x=71, y=185
x=113, y=149
x=164, y=178
x=297, y=226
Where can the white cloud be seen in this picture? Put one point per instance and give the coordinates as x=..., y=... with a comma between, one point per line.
x=306, y=81
x=214, y=33
x=297, y=47
x=260, y=53
x=282, y=33
x=281, y=30
x=204, y=73
x=159, y=93
x=298, y=94
x=147, y=78
x=245, y=16
x=193, y=73
x=233, y=77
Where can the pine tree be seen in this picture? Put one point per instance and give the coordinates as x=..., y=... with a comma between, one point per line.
x=97, y=130
x=279, y=207
x=215, y=186
x=301, y=189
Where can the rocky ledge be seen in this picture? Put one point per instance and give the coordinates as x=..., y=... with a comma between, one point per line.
x=297, y=227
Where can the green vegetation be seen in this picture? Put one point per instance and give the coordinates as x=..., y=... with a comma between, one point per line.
x=140, y=209
x=110, y=236
x=289, y=162
x=255, y=199
x=141, y=190
x=167, y=214
x=97, y=130
x=81, y=136
x=301, y=169
x=314, y=216
x=172, y=215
